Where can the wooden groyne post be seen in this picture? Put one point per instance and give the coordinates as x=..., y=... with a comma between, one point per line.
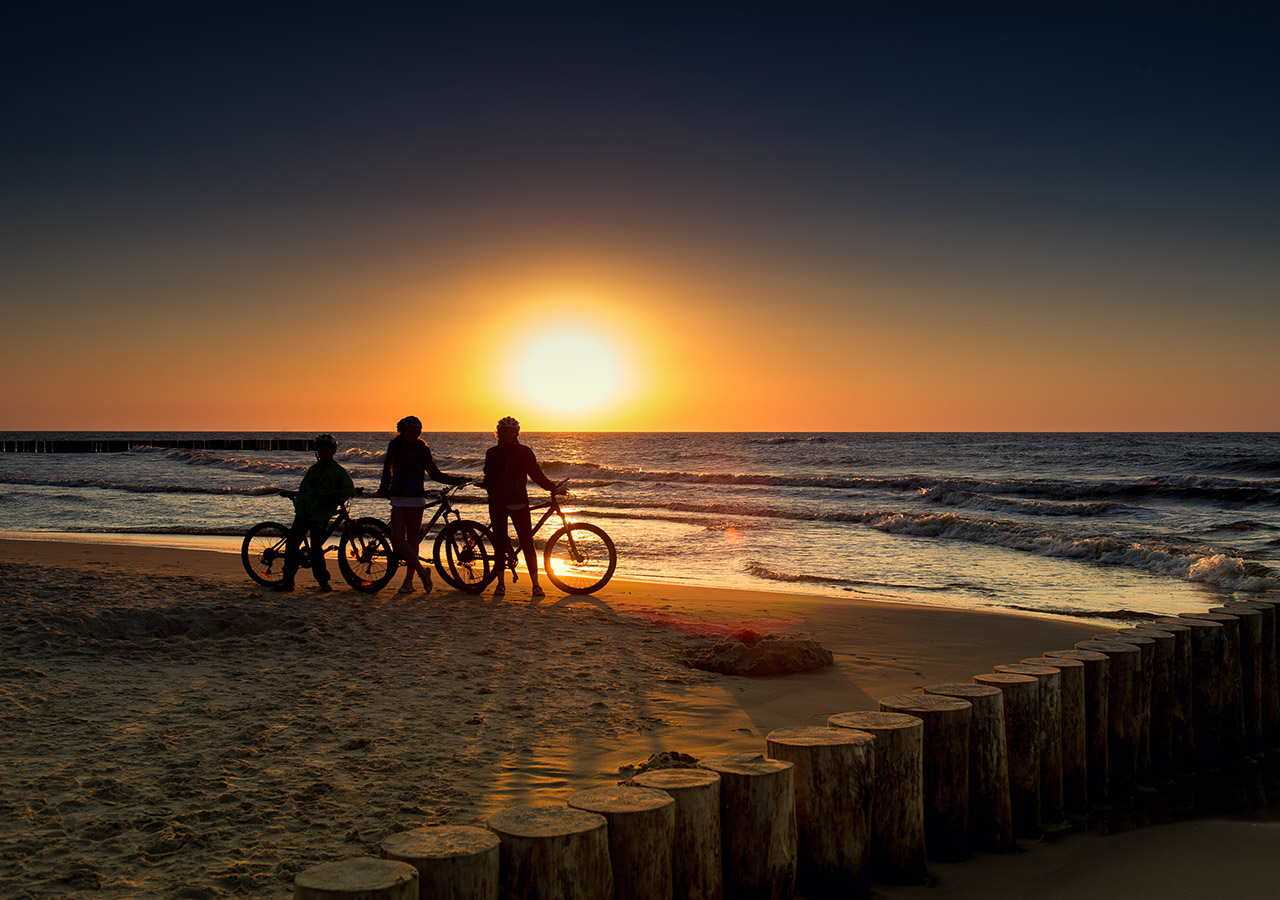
x=696, y=868
x=1270, y=698
x=1124, y=692
x=1021, y=700
x=1208, y=652
x=1232, y=673
x=834, y=771
x=357, y=879
x=1164, y=700
x=757, y=825
x=1183, y=737
x=1251, y=667
x=897, y=805
x=1147, y=668
x=552, y=853
x=1096, y=687
x=642, y=825
x=1052, y=808
x=454, y=862
x=1075, y=757
x=945, y=769
x=990, y=812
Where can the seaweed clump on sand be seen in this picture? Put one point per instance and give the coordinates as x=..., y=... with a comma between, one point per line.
x=665, y=759
x=750, y=653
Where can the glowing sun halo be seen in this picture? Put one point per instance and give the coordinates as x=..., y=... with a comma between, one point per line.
x=569, y=371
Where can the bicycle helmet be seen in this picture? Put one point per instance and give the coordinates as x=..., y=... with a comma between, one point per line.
x=408, y=422
x=508, y=422
x=328, y=439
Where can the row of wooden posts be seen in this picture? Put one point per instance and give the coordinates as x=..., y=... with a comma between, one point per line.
x=825, y=811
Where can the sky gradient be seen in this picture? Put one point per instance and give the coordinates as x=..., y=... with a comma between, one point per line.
x=800, y=216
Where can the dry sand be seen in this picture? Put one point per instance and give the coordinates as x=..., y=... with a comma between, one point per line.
x=168, y=729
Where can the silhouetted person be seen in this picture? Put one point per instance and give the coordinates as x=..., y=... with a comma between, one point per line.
x=325, y=485
x=508, y=466
x=404, y=471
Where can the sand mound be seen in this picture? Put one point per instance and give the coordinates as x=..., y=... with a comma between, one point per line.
x=754, y=654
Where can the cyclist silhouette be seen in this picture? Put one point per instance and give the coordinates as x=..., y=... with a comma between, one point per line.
x=404, y=469
x=324, y=486
x=507, y=468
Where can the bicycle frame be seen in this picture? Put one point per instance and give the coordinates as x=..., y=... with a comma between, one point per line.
x=341, y=521
x=552, y=505
x=444, y=509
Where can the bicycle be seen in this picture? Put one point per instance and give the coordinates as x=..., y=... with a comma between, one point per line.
x=463, y=552
x=365, y=557
x=579, y=558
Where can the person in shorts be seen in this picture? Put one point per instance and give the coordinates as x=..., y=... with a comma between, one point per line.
x=405, y=468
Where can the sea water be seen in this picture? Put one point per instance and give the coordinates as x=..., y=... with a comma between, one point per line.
x=1056, y=524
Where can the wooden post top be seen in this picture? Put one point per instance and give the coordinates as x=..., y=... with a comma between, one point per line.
x=923, y=704
x=1111, y=648
x=1240, y=610
x=1154, y=632
x=749, y=764
x=1060, y=662
x=961, y=689
x=1082, y=655
x=1024, y=669
x=544, y=821
x=999, y=678
x=817, y=736
x=1167, y=624
x=676, y=779
x=1125, y=637
x=619, y=798
x=1220, y=618
x=354, y=876
x=869, y=720
x=1193, y=621
x=440, y=842
x=1260, y=606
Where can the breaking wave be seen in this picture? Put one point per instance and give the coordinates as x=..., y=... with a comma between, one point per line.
x=943, y=496
x=1186, y=563
x=256, y=491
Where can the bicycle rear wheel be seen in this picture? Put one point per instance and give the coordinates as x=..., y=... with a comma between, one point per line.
x=465, y=556
x=365, y=558
x=580, y=558
x=262, y=552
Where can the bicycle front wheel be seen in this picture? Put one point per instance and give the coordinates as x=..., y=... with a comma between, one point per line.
x=365, y=558
x=465, y=556
x=580, y=558
x=262, y=552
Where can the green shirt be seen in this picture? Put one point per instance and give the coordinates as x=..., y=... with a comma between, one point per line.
x=324, y=485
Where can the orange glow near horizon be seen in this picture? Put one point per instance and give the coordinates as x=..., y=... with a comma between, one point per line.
x=632, y=339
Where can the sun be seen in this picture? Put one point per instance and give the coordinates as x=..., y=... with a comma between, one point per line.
x=570, y=372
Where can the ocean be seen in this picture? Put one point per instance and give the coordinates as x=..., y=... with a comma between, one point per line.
x=1077, y=525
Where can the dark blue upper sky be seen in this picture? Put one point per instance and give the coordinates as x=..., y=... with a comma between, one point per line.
x=969, y=144
x=923, y=104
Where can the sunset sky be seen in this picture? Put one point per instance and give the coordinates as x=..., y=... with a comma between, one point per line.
x=659, y=216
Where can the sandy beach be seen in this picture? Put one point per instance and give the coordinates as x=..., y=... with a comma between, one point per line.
x=169, y=729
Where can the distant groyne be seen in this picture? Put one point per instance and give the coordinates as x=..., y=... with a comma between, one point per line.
x=123, y=445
